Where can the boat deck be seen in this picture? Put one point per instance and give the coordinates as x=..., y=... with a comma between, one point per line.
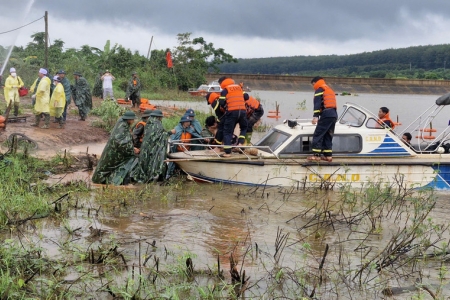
x=420, y=159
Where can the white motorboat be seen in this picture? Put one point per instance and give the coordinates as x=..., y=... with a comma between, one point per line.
x=204, y=89
x=363, y=152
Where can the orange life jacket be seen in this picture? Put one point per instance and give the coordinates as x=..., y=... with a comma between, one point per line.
x=213, y=97
x=143, y=124
x=252, y=104
x=387, y=117
x=235, y=95
x=185, y=138
x=329, y=97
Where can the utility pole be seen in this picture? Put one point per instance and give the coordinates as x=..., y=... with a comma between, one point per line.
x=444, y=64
x=149, y=48
x=46, y=40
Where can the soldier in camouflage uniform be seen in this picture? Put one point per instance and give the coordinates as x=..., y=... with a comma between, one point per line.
x=97, y=91
x=139, y=129
x=151, y=165
x=119, y=155
x=67, y=91
x=81, y=93
x=134, y=90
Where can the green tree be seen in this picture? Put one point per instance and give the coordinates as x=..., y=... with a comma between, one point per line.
x=193, y=58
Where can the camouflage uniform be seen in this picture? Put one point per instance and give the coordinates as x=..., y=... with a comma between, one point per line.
x=97, y=91
x=117, y=158
x=68, y=92
x=134, y=91
x=153, y=152
x=81, y=93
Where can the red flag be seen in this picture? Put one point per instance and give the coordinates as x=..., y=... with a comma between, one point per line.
x=169, y=60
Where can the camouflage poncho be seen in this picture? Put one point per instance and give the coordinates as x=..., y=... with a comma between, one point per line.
x=117, y=158
x=67, y=91
x=133, y=89
x=97, y=91
x=153, y=152
x=82, y=98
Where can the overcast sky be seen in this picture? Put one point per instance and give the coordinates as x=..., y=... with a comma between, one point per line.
x=245, y=28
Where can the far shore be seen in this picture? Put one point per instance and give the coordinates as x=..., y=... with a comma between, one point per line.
x=340, y=84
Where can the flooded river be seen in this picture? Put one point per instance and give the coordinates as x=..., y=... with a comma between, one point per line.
x=278, y=236
x=267, y=243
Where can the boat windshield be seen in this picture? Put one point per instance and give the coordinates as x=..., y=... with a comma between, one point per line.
x=273, y=139
x=353, y=117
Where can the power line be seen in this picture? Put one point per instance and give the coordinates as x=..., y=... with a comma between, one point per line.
x=21, y=26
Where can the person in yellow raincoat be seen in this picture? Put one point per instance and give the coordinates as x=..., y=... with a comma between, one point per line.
x=58, y=101
x=12, y=85
x=42, y=100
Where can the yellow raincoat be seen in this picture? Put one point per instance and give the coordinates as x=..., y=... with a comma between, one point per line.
x=57, y=101
x=43, y=96
x=12, y=85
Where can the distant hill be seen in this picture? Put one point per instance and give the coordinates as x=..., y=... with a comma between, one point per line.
x=418, y=62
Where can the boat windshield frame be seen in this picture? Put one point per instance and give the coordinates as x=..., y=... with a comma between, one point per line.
x=273, y=145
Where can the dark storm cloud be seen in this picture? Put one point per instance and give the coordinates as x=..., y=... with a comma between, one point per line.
x=281, y=19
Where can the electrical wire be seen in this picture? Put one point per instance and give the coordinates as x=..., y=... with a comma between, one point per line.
x=22, y=26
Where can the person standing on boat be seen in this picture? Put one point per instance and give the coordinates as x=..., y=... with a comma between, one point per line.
x=218, y=105
x=325, y=116
x=384, y=118
x=236, y=112
x=139, y=129
x=134, y=90
x=254, y=113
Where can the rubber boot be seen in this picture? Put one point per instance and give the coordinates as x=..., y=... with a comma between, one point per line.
x=61, y=123
x=37, y=119
x=46, y=121
x=16, y=109
x=248, y=138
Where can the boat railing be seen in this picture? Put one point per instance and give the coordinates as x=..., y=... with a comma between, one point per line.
x=425, y=131
x=235, y=148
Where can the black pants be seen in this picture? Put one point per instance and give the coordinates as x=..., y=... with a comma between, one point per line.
x=322, y=142
x=135, y=100
x=231, y=119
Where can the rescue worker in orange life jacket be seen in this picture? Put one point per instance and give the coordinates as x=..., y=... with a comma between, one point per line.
x=236, y=112
x=325, y=116
x=254, y=113
x=138, y=130
x=384, y=118
x=218, y=105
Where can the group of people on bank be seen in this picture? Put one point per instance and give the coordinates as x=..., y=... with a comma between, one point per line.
x=50, y=96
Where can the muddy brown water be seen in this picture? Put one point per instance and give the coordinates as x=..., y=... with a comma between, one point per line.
x=207, y=220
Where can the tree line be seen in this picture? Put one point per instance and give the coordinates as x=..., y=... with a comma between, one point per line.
x=418, y=62
x=192, y=59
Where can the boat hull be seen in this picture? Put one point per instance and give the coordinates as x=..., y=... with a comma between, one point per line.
x=406, y=172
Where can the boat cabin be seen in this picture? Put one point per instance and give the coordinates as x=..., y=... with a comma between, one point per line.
x=357, y=133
